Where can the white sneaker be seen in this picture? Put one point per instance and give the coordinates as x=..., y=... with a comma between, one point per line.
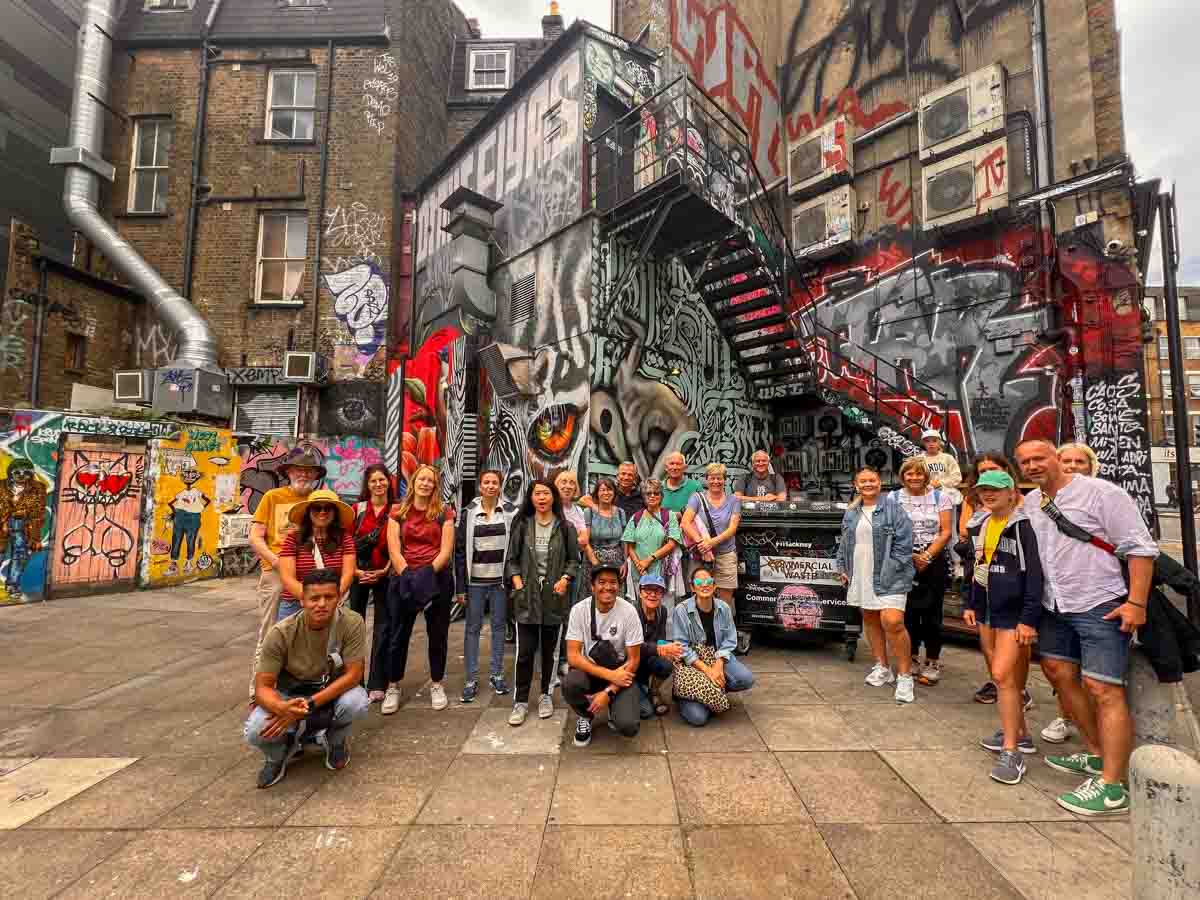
x=879, y=676
x=391, y=700
x=518, y=714
x=545, y=707
x=904, y=689
x=1059, y=731
x=437, y=694
x=931, y=672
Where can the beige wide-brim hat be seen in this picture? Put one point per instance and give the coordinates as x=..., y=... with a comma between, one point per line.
x=323, y=495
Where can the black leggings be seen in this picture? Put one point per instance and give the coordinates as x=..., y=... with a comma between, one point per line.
x=404, y=604
x=360, y=596
x=923, y=610
x=529, y=637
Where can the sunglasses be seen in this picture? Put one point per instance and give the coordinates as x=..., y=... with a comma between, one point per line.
x=323, y=507
x=704, y=582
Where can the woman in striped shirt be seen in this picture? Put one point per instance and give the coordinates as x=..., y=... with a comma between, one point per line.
x=322, y=537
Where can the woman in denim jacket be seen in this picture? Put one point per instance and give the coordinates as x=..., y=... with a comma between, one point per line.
x=703, y=624
x=875, y=562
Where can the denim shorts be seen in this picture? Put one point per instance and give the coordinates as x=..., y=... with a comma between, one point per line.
x=1100, y=648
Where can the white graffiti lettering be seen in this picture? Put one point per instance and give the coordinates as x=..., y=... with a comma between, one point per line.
x=380, y=92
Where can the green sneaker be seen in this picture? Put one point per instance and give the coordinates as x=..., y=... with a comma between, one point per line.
x=1095, y=798
x=1081, y=763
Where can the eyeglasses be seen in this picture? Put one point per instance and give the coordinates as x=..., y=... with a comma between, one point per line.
x=703, y=582
x=323, y=507
x=653, y=494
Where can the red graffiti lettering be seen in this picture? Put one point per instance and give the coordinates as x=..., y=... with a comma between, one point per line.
x=848, y=105
x=897, y=204
x=992, y=167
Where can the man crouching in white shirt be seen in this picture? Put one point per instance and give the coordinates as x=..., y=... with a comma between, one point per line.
x=1090, y=617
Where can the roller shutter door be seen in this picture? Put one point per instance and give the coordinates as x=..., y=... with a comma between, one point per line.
x=263, y=411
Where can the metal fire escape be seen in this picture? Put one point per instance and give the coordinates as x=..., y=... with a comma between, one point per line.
x=676, y=178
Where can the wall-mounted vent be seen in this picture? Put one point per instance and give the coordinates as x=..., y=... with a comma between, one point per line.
x=826, y=225
x=962, y=113
x=136, y=386
x=966, y=186
x=522, y=298
x=821, y=159
x=299, y=367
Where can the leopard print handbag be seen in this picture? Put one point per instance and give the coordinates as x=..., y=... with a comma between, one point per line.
x=692, y=684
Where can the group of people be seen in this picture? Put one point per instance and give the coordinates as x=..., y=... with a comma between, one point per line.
x=1045, y=569
x=557, y=571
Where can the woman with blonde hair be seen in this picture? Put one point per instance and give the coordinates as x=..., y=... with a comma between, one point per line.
x=1079, y=459
x=709, y=525
x=930, y=510
x=420, y=538
x=874, y=561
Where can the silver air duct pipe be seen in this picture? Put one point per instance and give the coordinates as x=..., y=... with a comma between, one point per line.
x=85, y=165
x=471, y=226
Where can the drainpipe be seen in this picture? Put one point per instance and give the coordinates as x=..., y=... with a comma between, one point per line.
x=1041, y=92
x=316, y=291
x=39, y=329
x=189, y=243
x=81, y=193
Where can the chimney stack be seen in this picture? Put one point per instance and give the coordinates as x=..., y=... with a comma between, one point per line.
x=552, y=25
x=473, y=29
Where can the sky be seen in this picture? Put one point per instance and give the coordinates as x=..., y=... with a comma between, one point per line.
x=1159, y=61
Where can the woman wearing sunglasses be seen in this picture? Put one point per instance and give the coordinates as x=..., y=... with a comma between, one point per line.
x=708, y=672
x=323, y=538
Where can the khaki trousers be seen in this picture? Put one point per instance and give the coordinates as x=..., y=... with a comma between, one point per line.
x=269, y=588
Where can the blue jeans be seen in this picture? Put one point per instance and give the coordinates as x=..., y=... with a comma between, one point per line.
x=350, y=706
x=478, y=596
x=650, y=666
x=287, y=608
x=737, y=678
x=186, y=525
x=1100, y=648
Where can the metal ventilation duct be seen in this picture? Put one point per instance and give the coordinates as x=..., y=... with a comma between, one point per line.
x=85, y=164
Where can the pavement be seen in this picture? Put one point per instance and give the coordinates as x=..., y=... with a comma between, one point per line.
x=123, y=774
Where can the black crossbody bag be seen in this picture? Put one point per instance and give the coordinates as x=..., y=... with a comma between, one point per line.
x=603, y=653
x=320, y=717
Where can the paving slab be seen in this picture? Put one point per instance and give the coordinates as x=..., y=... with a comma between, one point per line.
x=186, y=733
x=493, y=790
x=642, y=863
x=837, y=786
x=1047, y=861
x=374, y=790
x=493, y=735
x=159, y=864
x=465, y=863
x=779, y=689
x=614, y=790
x=35, y=865
x=956, y=784
x=843, y=683
x=734, y=789
x=32, y=789
x=806, y=728
x=729, y=732
x=233, y=801
x=137, y=796
x=764, y=862
x=901, y=727
x=415, y=730
x=933, y=862
x=333, y=863
x=12, y=763
x=1119, y=831
x=772, y=659
x=650, y=737
x=65, y=689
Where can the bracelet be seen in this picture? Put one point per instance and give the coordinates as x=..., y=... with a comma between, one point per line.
x=1138, y=605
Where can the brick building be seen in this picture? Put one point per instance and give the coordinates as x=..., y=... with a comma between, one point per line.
x=1159, y=387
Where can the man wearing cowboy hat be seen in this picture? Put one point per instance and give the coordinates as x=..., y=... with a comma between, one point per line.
x=303, y=470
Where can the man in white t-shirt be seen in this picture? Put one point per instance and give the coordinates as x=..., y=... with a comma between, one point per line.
x=1089, y=617
x=604, y=646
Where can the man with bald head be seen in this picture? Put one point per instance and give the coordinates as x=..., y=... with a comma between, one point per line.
x=677, y=487
x=761, y=485
x=1090, y=616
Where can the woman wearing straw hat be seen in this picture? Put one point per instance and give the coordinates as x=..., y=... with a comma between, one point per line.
x=323, y=538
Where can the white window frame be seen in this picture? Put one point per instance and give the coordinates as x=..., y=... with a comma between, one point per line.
x=1169, y=428
x=268, y=130
x=161, y=171
x=287, y=258
x=1191, y=348
x=1165, y=379
x=168, y=5
x=1193, y=379
x=306, y=2
x=1164, y=347
x=472, y=52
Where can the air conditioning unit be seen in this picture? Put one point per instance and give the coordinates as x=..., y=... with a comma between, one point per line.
x=961, y=114
x=299, y=367
x=825, y=226
x=136, y=386
x=965, y=186
x=822, y=158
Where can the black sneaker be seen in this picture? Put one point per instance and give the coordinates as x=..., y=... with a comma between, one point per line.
x=272, y=772
x=987, y=693
x=470, y=691
x=583, y=732
x=337, y=755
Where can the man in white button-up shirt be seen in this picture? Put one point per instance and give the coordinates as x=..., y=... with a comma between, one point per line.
x=1091, y=615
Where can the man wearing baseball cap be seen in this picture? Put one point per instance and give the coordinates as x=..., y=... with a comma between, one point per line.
x=943, y=468
x=658, y=654
x=604, y=647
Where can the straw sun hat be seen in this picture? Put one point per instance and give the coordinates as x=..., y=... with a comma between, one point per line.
x=323, y=495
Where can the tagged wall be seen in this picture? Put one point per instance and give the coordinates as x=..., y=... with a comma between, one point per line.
x=195, y=480
x=345, y=459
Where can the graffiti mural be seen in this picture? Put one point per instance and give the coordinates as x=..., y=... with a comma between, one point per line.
x=195, y=481
x=354, y=232
x=361, y=304
x=345, y=459
x=22, y=518
x=380, y=92
x=610, y=69
x=151, y=344
x=351, y=407
x=426, y=391
x=98, y=523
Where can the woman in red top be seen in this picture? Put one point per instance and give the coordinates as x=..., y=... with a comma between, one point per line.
x=321, y=539
x=370, y=544
x=420, y=537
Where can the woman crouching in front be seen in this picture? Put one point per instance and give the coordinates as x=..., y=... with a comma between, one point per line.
x=708, y=671
x=875, y=562
x=1002, y=594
